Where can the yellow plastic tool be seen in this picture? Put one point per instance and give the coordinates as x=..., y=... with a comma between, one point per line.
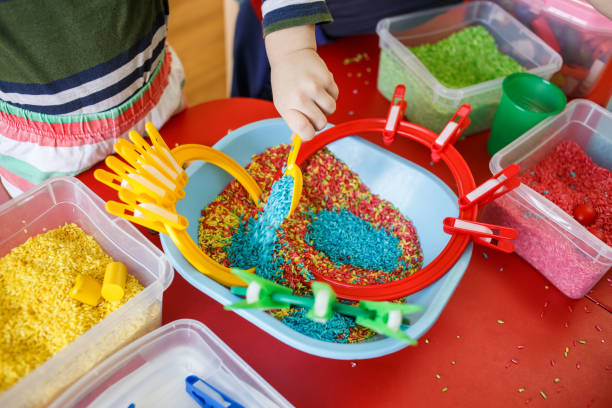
x=293, y=170
x=86, y=290
x=113, y=286
x=152, y=181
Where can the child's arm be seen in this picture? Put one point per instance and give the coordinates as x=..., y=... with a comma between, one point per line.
x=303, y=89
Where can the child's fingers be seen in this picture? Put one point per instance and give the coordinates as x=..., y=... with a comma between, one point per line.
x=332, y=88
x=314, y=114
x=299, y=123
x=326, y=103
x=325, y=83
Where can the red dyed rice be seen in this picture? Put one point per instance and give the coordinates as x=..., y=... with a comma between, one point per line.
x=570, y=178
x=565, y=177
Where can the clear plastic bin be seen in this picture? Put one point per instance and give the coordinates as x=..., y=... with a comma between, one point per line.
x=575, y=29
x=431, y=104
x=564, y=251
x=151, y=372
x=50, y=205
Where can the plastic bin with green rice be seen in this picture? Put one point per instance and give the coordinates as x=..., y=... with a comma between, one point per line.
x=457, y=55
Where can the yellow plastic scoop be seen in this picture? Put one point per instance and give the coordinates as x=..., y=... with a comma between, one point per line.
x=293, y=170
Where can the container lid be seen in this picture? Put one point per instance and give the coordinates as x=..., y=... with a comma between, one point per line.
x=576, y=12
x=152, y=371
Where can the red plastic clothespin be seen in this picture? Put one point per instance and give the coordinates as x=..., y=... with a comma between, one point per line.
x=492, y=236
x=396, y=112
x=451, y=132
x=540, y=26
x=494, y=187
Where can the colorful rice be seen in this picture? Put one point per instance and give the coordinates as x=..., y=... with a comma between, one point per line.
x=467, y=57
x=567, y=177
x=254, y=242
x=37, y=317
x=339, y=229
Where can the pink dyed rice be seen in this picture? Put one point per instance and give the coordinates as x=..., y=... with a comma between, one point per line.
x=565, y=177
x=570, y=178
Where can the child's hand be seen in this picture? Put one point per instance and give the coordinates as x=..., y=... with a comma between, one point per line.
x=303, y=89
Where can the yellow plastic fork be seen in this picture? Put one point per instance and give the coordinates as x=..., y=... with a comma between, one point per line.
x=151, y=180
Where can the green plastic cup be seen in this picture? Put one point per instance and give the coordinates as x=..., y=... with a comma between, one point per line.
x=526, y=100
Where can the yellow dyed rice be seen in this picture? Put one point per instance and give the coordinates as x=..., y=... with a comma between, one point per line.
x=37, y=316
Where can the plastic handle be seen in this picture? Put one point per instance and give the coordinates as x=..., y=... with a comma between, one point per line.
x=496, y=186
x=206, y=395
x=451, y=132
x=295, y=149
x=396, y=112
x=489, y=235
x=293, y=170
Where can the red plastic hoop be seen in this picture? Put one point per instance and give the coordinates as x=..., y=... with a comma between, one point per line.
x=457, y=243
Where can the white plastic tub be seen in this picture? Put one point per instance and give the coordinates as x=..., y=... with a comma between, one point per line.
x=564, y=251
x=431, y=104
x=51, y=205
x=151, y=372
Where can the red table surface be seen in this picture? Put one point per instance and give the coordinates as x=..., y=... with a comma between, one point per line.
x=500, y=341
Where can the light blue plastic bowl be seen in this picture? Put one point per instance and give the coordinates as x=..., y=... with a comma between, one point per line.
x=415, y=191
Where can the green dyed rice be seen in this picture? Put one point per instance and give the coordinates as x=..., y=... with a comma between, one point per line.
x=465, y=58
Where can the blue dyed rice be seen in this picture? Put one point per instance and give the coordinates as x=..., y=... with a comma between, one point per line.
x=335, y=329
x=256, y=242
x=348, y=240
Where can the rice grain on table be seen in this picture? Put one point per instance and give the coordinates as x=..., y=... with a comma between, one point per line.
x=37, y=316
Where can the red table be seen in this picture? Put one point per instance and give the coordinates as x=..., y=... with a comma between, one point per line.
x=500, y=341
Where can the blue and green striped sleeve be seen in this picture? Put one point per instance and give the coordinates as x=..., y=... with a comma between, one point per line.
x=279, y=14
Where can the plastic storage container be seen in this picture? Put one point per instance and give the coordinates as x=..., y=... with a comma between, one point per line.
x=51, y=205
x=151, y=372
x=431, y=104
x=565, y=252
x=575, y=29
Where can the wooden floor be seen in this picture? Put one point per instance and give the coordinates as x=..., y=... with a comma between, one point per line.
x=196, y=32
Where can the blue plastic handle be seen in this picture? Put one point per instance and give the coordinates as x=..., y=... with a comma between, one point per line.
x=211, y=399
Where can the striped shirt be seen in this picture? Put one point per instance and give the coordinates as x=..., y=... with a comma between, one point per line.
x=74, y=77
x=279, y=14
